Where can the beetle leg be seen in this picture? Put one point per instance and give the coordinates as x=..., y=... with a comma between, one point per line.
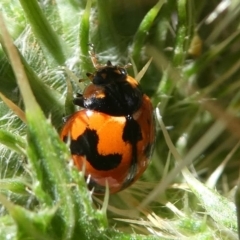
x=78, y=100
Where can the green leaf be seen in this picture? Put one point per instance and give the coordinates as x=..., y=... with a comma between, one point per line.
x=143, y=30
x=218, y=207
x=13, y=141
x=44, y=31
x=29, y=225
x=84, y=40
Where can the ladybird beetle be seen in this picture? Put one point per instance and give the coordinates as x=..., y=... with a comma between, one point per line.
x=111, y=138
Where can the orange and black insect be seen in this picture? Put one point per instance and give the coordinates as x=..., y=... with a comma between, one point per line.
x=112, y=136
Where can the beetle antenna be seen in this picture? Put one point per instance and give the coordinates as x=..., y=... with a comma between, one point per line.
x=93, y=56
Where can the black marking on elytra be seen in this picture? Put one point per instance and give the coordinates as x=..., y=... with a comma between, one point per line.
x=86, y=145
x=132, y=131
x=132, y=134
x=133, y=168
